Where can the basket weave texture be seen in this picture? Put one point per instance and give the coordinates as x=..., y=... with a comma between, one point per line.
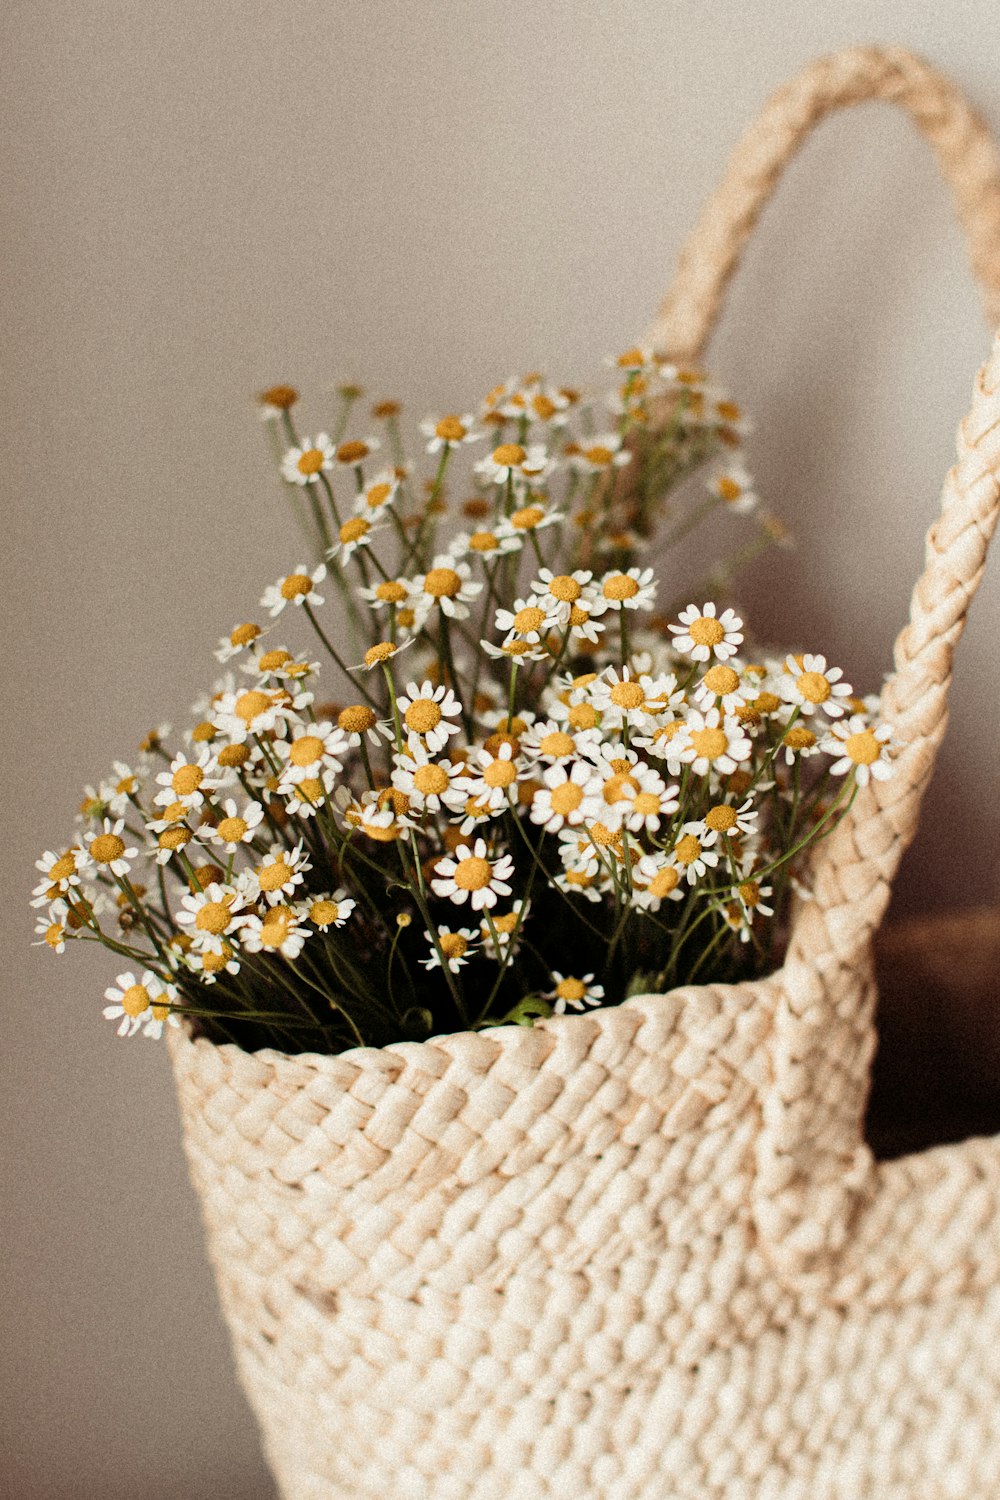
x=645, y=1253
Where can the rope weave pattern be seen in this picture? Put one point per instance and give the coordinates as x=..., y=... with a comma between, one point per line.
x=644, y=1252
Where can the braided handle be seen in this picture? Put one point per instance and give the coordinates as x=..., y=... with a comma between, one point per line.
x=961, y=141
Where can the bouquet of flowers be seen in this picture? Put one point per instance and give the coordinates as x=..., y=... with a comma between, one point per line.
x=533, y=785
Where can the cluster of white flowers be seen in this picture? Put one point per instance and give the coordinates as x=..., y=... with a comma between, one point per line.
x=582, y=779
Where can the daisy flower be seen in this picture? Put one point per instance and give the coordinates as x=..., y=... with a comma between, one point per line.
x=186, y=782
x=294, y=588
x=449, y=432
x=557, y=593
x=700, y=635
x=812, y=685
x=212, y=915
x=732, y=821
x=320, y=746
x=379, y=493
x=656, y=878
x=427, y=783
x=447, y=584
x=357, y=722
x=236, y=827
x=355, y=535
x=575, y=993
x=471, y=876
x=277, y=876
x=455, y=945
x=329, y=911
x=241, y=716
x=279, y=930
x=565, y=798
x=633, y=589
x=51, y=930
x=800, y=743
x=491, y=780
x=305, y=464
x=722, y=686
x=132, y=1001
x=862, y=747
x=526, y=620
x=712, y=742
x=547, y=740
x=693, y=850
x=107, y=849
x=60, y=874
x=426, y=714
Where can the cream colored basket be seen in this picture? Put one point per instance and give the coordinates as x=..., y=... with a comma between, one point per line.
x=645, y=1252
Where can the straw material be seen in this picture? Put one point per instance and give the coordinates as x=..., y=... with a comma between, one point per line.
x=645, y=1252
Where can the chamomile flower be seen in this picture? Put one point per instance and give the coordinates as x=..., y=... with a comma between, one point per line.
x=625, y=700
x=351, y=454
x=656, y=878
x=358, y=722
x=750, y=894
x=356, y=535
x=566, y=798
x=862, y=747
x=573, y=992
x=712, y=742
x=50, y=930
x=187, y=782
x=491, y=779
x=703, y=633
x=212, y=915
x=107, y=849
x=514, y=462
x=303, y=799
x=485, y=545
x=448, y=585
x=427, y=715
x=732, y=484
x=376, y=495
x=633, y=589
x=799, y=742
x=132, y=1000
x=328, y=911
x=61, y=874
x=298, y=587
x=732, y=822
x=236, y=827
x=693, y=851
x=315, y=747
x=501, y=934
x=557, y=593
x=456, y=945
x=472, y=876
x=528, y=518
x=723, y=687
x=275, y=401
x=427, y=783
x=238, y=639
x=600, y=454
x=280, y=930
x=246, y=715
x=547, y=741
x=526, y=620
x=277, y=876
x=813, y=686
x=303, y=465
x=449, y=432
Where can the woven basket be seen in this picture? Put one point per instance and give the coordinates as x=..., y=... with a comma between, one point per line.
x=645, y=1252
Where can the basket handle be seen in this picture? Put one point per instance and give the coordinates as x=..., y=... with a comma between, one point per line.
x=814, y=1172
x=966, y=154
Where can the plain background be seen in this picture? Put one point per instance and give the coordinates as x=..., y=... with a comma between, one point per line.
x=200, y=199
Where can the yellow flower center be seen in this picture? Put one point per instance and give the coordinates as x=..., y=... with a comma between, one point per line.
x=354, y=529
x=627, y=695
x=430, y=781
x=352, y=453
x=721, y=818
x=306, y=750
x=620, y=586
x=630, y=358
x=276, y=927
x=571, y=989
x=709, y=743
x=728, y=489
x=442, y=583
x=187, y=779
x=557, y=743
x=749, y=892
x=863, y=749
x=390, y=592
x=450, y=429
x=386, y=409
x=232, y=830
x=54, y=934
x=250, y=706
x=799, y=738
x=310, y=790
x=509, y=454
x=453, y=944
x=617, y=788
x=296, y=586
x=282, y=396
x=579, y=878
x=484, y=541
x=527, y=518
x=213, y=917
x=272, y=661
x=63, y=868
x=721, y=680
x=324, y=912
x=214, y=963
x=607, y=838
x=135, y=1000
x=376, y=495
x=598, y=454
x=174, y=838
x=244, y=634
x=687, y=849
x=813, y=686
x=234, y=755
x=106, y=848
x=767, y=703
x=565, y=588
x=646, y=804
x=272, y=877
x=529, y=619
x=473, y=874
x=506, y=923
x=381, y=652
x=311, y=461
x=422, y=716
x=582, y=716
x=706, y=631
x=201, y=734
x=500, y=773
x=357, y=718
x=664, y=881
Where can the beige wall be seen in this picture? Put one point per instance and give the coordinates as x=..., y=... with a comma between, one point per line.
x=202, y=198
